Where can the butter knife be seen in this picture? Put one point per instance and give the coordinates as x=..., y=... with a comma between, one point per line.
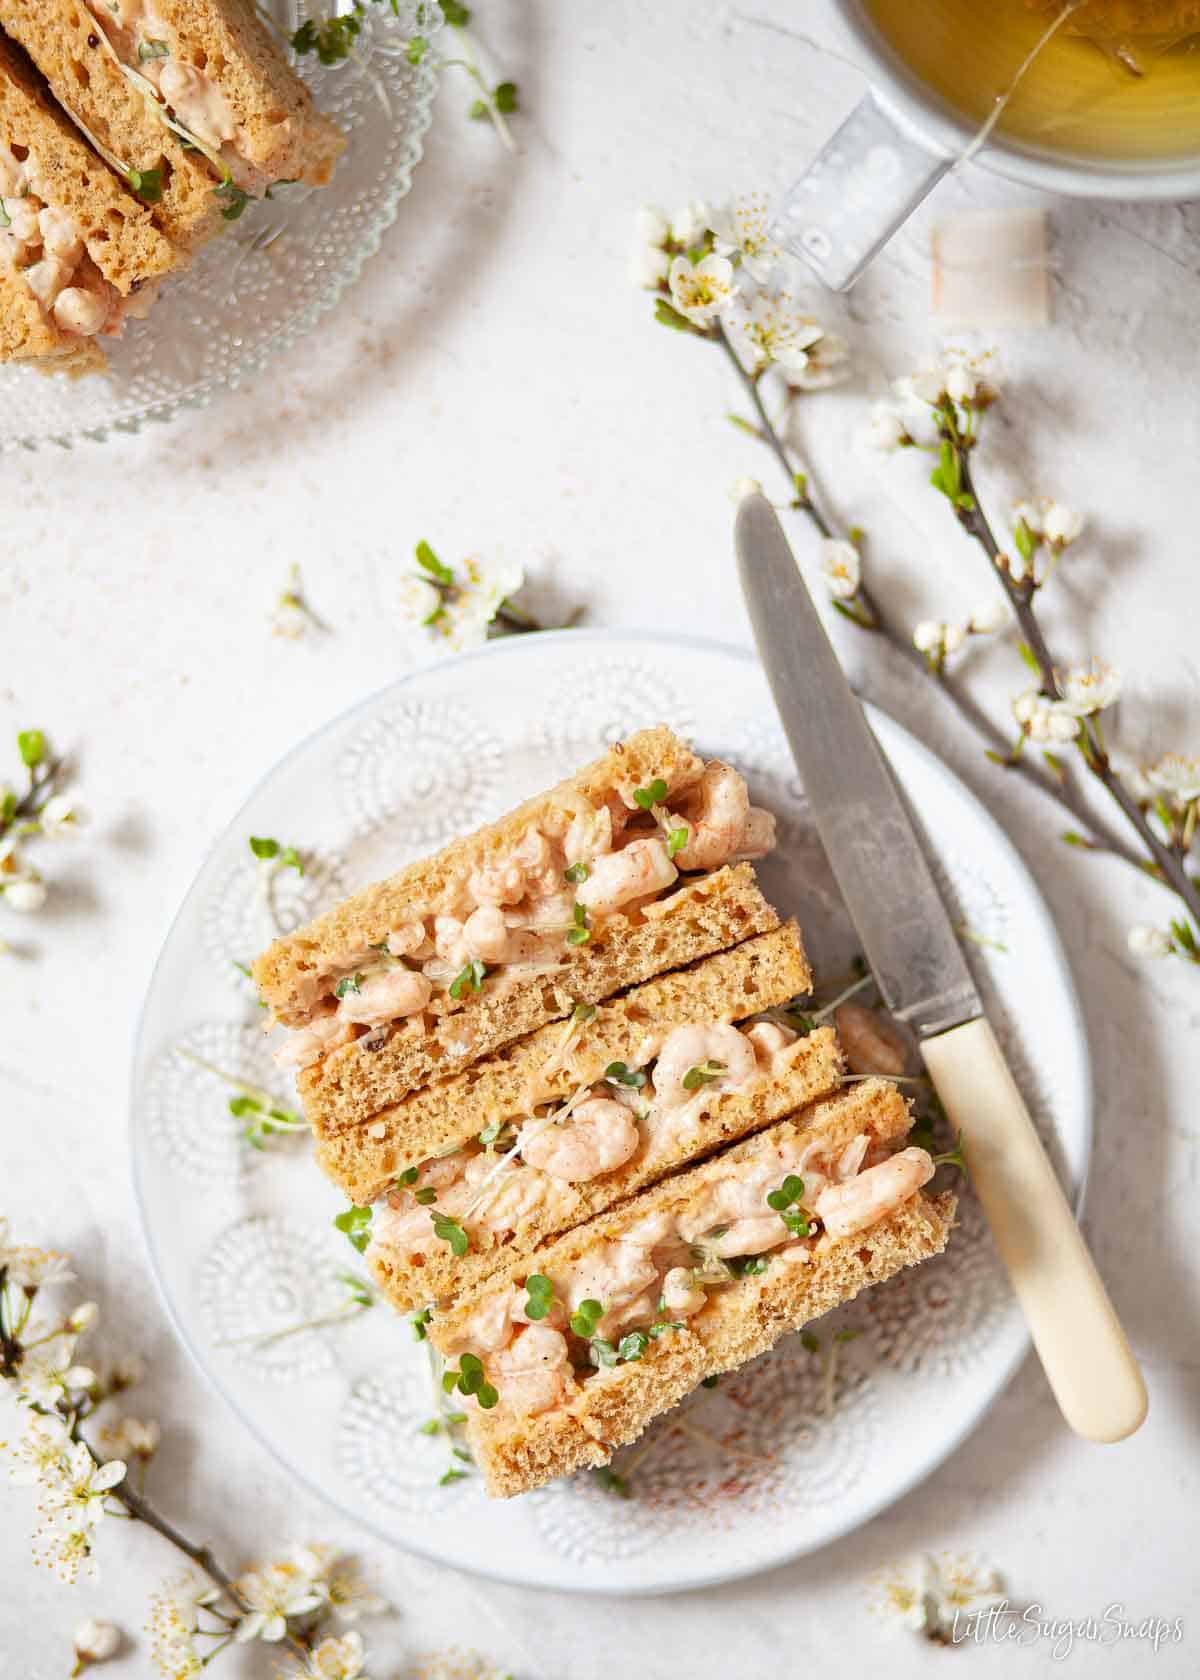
x=916, y=960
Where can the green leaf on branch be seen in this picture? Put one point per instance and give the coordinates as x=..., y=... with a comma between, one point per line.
x=1024, y=539
x=429, y=562
x=668, y=316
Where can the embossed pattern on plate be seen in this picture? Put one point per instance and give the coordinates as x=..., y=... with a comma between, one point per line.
x=778, y=1458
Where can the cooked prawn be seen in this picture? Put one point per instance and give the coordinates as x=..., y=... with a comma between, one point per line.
x=715, y=811
x=692, y=1047
x=596, y=1138
x=388, y=996
x=533, y=1372
x=312, y=1042
x=680, y=1296
x=638, y=870
x=845, y=1209
x=871, y=1042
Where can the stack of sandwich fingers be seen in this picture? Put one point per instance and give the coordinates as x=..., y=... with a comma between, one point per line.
x=131, y=131
x=554, y=1069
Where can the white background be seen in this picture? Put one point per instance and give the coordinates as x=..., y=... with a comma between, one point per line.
x=495, y=386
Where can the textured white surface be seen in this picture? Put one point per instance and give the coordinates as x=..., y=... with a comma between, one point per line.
x=492, y=385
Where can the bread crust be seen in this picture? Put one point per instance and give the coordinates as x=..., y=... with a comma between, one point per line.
x=705, y=915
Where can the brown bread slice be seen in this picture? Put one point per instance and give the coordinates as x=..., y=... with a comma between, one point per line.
x=551, y=1064
x=741, y=1320
x=27, y=334
x=116, y=228
x=65, y=42
x=705, y=915
x=295, y=971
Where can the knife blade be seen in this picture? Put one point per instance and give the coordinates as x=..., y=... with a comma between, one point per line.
x=881, y=870
x=868, y=836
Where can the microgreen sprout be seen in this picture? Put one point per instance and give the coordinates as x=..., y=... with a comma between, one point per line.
x=265, y=1120
x=952, y=1157
x=617, y=1073
x=355, y=1225
x=347, y=984
x=469, y=1378
x=146, y=183
x=540, y=1296
x=425, y=1195
x=611, y=1482
x=576, y=873
x=498, y=1132
x=5, y=218
x=677, y=839
x=646, y=798
x=633, y=1346
x=151, y=49
x=586, y=1317
x=469, y=978
x=752, y=1266
x=583, y=1012
x=233, y=199
x=285, y=857
x=786, y=1197
x=407, y=1177
x=419, y=1323
x=703, y=1074
x=579, y=934
x=448, y=1230
x=453, y=1474
x=331, y=38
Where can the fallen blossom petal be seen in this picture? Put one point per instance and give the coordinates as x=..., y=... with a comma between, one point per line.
x=1147, y=941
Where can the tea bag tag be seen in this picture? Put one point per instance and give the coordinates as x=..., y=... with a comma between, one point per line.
x=855, y=194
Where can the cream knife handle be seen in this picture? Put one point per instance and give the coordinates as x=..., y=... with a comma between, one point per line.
x=1079, y=1339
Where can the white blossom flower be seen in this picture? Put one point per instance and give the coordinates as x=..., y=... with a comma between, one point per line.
x=1044, y=720
x=77, y=1500
x=66, y=1550
x=129, y=1437
x=649, y=266
x=96, y=1642
x=689, y=225
x=827, y=364
x=651, y=225
x=26, y=895
x=58, y=816
x=953, y=637
x=460, y=613
x=1176, y=776
x=339, y=1582
x=740, y=228
x=700, y=291
x=927, y=636
x=1061, y=525
x=1030, y=515
x=339, y=1659
x=961, y=384
x=885, y=430
x=48, y=1371
x=274, y=1593
x=992, y=616
x=841, y=567
x=39, y=1456
x=926, y=384
x=743, y=487
x=926, y=1593
x=769, y=328
x=1146, y=941
x=32, y=1268
x=174, y=1618
x=1090, y=688
x=83, y=1316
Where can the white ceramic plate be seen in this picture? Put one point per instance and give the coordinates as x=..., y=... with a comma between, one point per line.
x=243, y=1242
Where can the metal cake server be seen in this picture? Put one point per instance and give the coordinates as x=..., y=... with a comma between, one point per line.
x=915, y=958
